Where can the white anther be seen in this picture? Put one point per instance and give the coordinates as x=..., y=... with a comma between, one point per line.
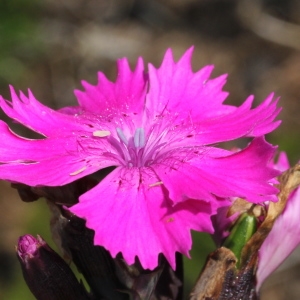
x=139, y=138
x=121, y=135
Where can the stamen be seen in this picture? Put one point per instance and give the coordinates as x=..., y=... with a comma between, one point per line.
x=121, y=136
x=139, y=138
x=77, y=172
x=101, y=133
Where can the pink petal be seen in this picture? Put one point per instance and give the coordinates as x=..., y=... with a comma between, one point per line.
x=51, y=162
x=127, y=94
x=34, y=115
x=282, y=163
x=176, y=88
x=130, y=213
x=282, y=240
x=243, y=174
x=222, y=223
x=244, y=121
x=71, y=110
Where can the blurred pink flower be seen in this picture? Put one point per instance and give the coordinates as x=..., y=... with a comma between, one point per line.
x=159, y=131
x=285, y=234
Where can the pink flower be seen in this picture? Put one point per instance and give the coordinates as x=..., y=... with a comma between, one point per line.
x=285, y=234
x=159, y=131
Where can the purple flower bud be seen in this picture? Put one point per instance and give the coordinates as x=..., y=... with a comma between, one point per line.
x=47, y=275
x=28, y=247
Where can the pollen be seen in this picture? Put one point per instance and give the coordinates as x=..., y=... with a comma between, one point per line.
x=77, y=172
x=156, y=184
x=101, y=133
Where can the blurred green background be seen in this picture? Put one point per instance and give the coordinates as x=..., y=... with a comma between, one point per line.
x=49, y=46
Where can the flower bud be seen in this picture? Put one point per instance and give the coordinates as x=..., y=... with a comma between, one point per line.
x=240, y=234
x=46, y=273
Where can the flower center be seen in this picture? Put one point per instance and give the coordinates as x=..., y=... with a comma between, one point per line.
x=137, y=147
x=132, y=148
